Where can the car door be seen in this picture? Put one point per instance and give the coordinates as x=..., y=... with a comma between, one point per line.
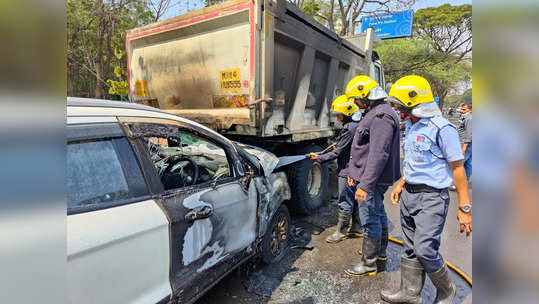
x=117, y=235
x=212, y=212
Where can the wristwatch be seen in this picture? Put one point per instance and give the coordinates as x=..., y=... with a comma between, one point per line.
x=466, y=208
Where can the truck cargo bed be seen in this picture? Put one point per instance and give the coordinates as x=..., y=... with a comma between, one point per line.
x=257, y=68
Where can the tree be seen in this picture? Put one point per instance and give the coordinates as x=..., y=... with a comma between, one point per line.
x=343, y=16
x=96, y=44
x=419, y=57
x=159, y=8
x=448, y=27
x=442, y=39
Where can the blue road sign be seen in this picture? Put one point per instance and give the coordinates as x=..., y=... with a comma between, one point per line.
x=389, y=25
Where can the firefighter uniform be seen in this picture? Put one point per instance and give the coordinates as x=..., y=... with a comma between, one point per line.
x=429, y=146
x=345, y=228
x=374, y=166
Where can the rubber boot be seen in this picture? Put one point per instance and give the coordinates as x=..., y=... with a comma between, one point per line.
x=412, y=281
x=367, y=266
x=382, y=256
x=343, y=218
x=445, y=288
x=355, y=230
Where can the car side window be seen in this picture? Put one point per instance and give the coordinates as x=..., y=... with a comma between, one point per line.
x=185, y=159
x=100, y=175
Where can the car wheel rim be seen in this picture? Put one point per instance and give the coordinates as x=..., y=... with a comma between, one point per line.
x=279, y=235
x=314, y=180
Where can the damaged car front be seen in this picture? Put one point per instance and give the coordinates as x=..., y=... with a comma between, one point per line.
x=273, y=190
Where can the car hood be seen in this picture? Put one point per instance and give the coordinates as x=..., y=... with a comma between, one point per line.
x=267, y=160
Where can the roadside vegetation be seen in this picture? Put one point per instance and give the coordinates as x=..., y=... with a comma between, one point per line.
x=440, y=48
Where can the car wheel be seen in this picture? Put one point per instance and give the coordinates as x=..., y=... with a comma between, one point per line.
x=308, y=182
x=275, y=240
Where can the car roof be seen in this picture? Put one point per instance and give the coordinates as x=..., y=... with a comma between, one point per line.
x=92, y=102
x=98, y=110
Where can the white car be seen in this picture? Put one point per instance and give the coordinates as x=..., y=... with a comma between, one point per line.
x=161, y=208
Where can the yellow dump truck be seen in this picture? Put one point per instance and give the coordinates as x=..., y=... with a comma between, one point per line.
x=260, y=72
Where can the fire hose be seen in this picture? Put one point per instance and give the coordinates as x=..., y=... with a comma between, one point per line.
x=453, y=267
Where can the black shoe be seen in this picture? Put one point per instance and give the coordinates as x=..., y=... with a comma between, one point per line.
x=412, y=281
x=367, y=266
x=342, y=220
x=445, y=288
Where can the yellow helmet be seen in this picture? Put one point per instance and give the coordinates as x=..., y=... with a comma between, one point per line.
x=411, y=90
x=342, y=105
x=360, y=86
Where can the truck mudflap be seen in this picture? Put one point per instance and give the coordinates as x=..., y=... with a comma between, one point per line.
x=272, y=190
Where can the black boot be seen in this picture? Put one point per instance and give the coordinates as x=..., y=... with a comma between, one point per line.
x=367, y=266
x=445, y=288
x=382, y=256
x=343, y=219
x=355, y=229
x=412, y=281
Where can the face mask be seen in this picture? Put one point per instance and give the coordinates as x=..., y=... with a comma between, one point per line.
x=357, y=115
x=424, y=110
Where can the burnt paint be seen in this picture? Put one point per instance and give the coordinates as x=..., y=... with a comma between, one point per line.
x=203, y=251
x=272, y=191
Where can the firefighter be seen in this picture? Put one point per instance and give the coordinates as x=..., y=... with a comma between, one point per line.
x=374, y=166
x=347, y=114
x=432, y=159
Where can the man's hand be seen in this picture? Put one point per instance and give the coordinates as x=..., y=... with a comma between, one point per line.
x=361, y=195
x=313, y=156
x=396, y=195
x=465, y=220
x=351, y=182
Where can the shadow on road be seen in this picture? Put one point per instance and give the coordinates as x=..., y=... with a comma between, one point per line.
x=316, y=276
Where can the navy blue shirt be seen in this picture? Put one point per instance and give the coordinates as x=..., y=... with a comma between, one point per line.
x=342, y=148
x=375, y=152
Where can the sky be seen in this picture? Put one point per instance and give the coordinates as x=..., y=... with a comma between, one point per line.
x=182, y=7
x=433, y=3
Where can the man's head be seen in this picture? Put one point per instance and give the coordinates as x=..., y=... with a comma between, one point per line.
x=364, y=90
x=466, y=107
x=344, y=108
x=413, y=95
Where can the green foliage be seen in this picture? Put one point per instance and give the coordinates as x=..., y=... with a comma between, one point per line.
x=311, y=8
x=422, y=54
x=96, y=32
x=448, y=27
x=402, y=57
x=446, y=15
x=212, y=2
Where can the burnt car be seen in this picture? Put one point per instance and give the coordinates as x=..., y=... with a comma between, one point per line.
x=161, y=208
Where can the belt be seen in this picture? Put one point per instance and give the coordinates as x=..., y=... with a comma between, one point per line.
x=420, y=188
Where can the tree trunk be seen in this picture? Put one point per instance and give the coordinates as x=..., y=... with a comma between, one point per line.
x=98, y=91
x=331, y=22
x=71, y=77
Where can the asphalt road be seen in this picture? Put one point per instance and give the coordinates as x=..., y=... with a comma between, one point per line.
x=317, y=276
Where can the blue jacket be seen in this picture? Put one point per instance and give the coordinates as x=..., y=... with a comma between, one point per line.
x=375, y=151
x=342, y=151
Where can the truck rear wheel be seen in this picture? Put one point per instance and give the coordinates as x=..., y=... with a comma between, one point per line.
x=308, y=182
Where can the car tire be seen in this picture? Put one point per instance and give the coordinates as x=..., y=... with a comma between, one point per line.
x=275, y=241
x=308, y=182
